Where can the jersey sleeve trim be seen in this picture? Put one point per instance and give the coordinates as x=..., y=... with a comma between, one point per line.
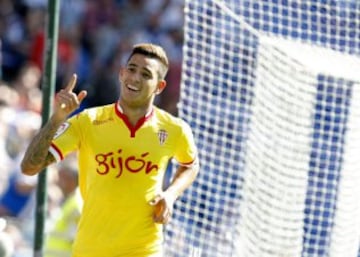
x=187, y=164
x=55, y=151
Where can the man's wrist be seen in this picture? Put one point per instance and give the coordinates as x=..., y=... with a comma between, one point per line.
x=57, y=120
x=171, y=195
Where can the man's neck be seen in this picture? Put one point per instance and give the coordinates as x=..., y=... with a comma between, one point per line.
x=134, y=114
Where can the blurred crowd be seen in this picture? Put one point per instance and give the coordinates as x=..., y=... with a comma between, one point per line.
x=95, y=37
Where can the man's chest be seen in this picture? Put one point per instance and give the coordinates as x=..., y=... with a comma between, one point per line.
x=119, y=137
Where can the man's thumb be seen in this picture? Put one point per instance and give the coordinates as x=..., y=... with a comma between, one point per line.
x=82, y=95
x=155, y=200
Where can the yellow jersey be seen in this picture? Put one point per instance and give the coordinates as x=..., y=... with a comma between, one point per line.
x=121, y=168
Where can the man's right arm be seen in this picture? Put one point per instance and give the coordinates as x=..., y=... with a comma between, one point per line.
x=37, y=155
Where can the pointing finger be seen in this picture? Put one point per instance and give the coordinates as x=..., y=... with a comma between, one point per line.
x=80, y=98
x=70, y=86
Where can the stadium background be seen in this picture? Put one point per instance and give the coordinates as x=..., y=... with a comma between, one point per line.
x=94, y=37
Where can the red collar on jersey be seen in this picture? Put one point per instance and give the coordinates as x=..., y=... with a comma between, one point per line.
x=140, y=122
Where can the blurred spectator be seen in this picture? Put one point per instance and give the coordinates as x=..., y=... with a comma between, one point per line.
x=12, y=33
x=27, y=86
x=35, y=3
x=61, y=235
x=22, y=126
x=133, y=15
x=18, y=187
x=17, y=194
x=104, y=87
x=71, y=13
x=9, y=98
x=7, y=164
x=6, y=242
x=23, y=225
x=0, y=60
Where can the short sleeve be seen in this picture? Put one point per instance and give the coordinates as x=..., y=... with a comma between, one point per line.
x=186, y=151
x=66, y=139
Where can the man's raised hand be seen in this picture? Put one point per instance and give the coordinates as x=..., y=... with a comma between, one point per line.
x=66, y=100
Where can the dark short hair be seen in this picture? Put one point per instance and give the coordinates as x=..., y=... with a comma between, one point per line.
x=152, y=51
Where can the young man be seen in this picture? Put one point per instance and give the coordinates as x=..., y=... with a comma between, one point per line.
x=123, y=150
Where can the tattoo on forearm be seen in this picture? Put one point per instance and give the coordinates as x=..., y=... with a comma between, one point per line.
x=37, y=153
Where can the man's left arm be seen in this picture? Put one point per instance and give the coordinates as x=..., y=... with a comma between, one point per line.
x=183, y=178
x=164, y=203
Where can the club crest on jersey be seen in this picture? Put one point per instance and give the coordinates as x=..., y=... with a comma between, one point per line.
x=162, y=135
x=63, y=127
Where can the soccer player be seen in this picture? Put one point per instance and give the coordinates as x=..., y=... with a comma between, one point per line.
x=123, y=151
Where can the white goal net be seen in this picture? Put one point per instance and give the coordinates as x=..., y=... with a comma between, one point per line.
x=272, y=92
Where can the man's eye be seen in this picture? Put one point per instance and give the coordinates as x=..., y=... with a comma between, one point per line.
x=131, y=69
x=146, y=75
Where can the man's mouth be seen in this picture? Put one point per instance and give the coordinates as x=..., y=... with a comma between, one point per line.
x=133, y=88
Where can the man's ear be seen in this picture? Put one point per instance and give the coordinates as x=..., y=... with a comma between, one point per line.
x=161, y=86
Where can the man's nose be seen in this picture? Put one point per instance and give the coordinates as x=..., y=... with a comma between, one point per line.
x=136, y=77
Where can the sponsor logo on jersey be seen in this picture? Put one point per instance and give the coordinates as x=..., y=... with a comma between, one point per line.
x=118, y=161
x=63, y=127
x=99, y=122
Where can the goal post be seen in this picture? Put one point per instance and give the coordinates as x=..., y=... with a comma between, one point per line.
x=271, y=90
